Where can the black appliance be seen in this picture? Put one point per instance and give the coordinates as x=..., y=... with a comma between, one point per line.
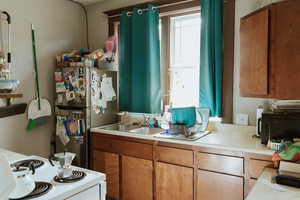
x=279, y=125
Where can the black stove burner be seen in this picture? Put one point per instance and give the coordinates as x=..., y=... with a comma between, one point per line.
x=26, y=163
x=41, y=188
x=77, y=176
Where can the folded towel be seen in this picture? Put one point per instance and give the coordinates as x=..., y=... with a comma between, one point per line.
x=292, y=153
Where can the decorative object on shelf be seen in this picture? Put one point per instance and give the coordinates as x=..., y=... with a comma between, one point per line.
x=39, y=109
x=7, y=85
x=9, y=109
x=110, y=47
x=5, y=61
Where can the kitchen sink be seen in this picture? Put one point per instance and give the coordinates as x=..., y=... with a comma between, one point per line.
x=119, y=127
x=146, y=131
x=141, y=130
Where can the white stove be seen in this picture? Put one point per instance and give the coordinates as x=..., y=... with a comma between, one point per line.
x=91, y=186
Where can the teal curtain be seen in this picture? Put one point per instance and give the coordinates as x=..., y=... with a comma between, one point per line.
x=211, y=55
x=140, y=85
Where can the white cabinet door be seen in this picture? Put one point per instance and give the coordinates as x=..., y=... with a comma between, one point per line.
x=92, y=193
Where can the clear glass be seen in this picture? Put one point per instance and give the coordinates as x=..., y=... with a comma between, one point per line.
x=185, y=60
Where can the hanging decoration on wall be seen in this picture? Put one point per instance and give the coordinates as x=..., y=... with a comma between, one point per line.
x=110, y=47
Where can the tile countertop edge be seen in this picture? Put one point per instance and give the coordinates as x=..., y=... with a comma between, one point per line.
x=265, y=151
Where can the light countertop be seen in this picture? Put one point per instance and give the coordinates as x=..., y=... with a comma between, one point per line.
x=223, y=136
x=264, y=189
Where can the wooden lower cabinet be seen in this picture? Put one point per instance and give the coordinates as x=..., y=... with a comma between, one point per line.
x=142, y=171
x=216, y=186
x=137, y=179
x=173, y=182
x=108, y=163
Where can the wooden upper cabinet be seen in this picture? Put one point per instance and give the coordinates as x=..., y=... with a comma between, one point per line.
x=108, y=163
x=137, y=179
x=254, y=36
x=286, y=49
x=270, y=51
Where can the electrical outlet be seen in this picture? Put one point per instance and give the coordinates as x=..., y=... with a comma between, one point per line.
x=242, y=119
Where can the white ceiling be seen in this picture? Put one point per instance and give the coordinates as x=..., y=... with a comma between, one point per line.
x=89, y=2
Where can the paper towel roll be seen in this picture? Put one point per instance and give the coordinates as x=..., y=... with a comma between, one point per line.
x=7, y=180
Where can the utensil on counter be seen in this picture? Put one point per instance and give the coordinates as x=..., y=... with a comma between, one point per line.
x=25, y=183
x=63, y=161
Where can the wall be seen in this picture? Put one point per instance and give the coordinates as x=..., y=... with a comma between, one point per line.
x=98, y=34
x=98, y=22
x=58, y=25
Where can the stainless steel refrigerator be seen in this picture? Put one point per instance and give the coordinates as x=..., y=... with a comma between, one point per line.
x=79, y=105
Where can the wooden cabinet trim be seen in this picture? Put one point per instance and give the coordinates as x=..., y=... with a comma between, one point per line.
x=220, y=163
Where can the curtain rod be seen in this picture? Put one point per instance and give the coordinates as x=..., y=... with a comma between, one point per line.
x=157, y=7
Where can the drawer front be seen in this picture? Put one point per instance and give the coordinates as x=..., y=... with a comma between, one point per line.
x=123, y=147
x=219, y=163
x=105, y=144
x=256, y=167
x=174, y=156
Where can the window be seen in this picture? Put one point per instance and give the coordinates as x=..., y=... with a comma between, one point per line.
x=184, y=59
x=168, y=72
